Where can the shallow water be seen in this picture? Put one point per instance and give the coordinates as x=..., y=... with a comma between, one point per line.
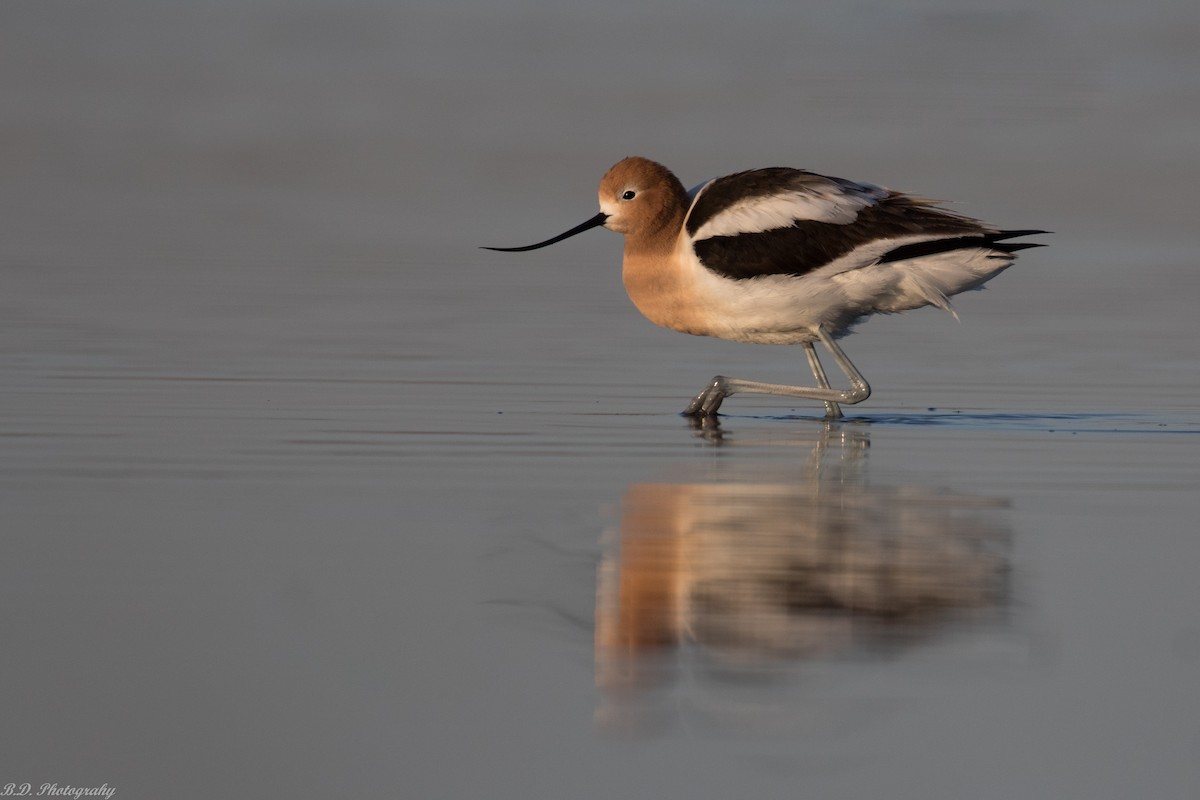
x=304, y=494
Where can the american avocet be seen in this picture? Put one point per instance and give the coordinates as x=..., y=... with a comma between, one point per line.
x=786, y=256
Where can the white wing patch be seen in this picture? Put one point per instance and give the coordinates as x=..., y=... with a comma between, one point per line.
x=834, y=203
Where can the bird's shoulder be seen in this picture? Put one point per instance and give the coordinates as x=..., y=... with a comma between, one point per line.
x=762, y=199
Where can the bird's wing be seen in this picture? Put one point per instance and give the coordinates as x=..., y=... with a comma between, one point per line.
x=782, y=221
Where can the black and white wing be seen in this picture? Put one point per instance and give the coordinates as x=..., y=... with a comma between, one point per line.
x=781, y=221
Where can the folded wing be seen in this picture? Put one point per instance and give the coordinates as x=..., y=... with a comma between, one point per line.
x=783, y=221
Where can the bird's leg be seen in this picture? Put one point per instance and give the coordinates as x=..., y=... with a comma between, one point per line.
x=859, y=388
x=832, y=409
x=710, y=398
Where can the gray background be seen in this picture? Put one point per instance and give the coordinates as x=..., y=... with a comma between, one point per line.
x=303, y=494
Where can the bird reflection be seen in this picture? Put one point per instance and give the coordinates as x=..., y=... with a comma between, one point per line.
x=748, y=573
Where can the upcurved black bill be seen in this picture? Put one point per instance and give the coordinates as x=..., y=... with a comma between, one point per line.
x=594, y=222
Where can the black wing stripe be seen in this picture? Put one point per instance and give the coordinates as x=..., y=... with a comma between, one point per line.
x=992, y=240
x=808, y=245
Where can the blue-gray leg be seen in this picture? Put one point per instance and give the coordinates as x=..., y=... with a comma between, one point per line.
x=709, y=400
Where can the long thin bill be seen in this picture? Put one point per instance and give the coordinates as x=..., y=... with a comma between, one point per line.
x=594, y=222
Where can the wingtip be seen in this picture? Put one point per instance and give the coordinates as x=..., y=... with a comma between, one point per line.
x=1014, y=234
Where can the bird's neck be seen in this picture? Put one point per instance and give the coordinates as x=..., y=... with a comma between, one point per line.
x=657, y=239
x=657, y=285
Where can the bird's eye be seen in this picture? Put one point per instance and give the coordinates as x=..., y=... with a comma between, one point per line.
x=628, y=194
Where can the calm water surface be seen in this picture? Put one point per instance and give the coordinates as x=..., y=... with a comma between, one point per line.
x=304, y=494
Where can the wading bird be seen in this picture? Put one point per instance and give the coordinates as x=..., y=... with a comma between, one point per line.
x=786, y=256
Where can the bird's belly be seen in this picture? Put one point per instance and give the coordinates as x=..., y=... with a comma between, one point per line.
x=788, y=309
x=778, y=309
x=676, y=291
x=763, y=310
